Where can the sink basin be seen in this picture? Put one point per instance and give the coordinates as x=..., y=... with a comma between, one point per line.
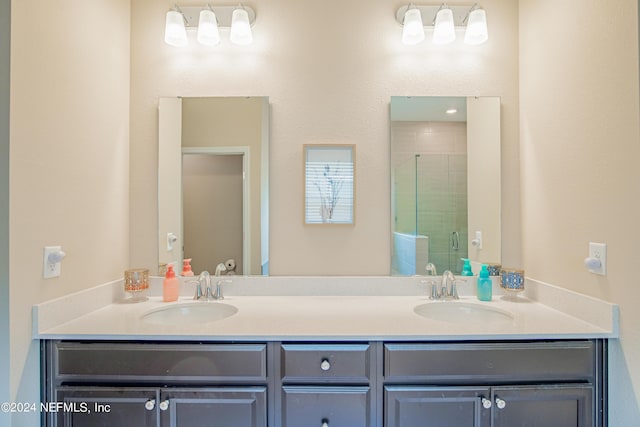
x=190, y=313
x=461, y=312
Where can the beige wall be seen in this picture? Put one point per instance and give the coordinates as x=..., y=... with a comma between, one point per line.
x=69, y=178
x=212, y=221
x=5, y=368
x=580, y=147
x=329, y=78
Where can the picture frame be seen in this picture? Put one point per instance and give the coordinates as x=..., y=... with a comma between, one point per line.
x=329, y=184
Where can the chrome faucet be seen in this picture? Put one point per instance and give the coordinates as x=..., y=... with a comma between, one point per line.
x=431, y=269
x=203, y=286
x=220, y=268
x=447, y=290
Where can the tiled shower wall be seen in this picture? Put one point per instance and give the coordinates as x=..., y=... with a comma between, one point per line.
x=441, y=205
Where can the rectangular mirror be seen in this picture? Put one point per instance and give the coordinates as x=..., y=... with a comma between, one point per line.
x=445, y=182
x=213, y=183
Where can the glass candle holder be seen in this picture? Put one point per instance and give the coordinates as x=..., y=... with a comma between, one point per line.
x=136, y=284
x=512, y=281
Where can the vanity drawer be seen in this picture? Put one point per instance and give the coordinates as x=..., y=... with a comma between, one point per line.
x=325, y=363
x=159, y=362
x=335, y=406
x=477, y=363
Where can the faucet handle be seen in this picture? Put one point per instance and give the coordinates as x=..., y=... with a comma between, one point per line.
x=218, y=295
x=198, y=292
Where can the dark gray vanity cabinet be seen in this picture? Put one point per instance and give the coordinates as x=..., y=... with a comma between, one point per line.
x=156, y=384
x=326, y=384
x=340, y=384
x=495, y=384
x=435, y=406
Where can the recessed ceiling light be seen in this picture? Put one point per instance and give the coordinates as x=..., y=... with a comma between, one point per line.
x=451, y=111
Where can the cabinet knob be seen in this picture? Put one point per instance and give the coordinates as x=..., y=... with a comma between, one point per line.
x=486, y=403
x=500, y=403
x=325, y=366
x=164, y=405
x=150, y=404
x=325, y=423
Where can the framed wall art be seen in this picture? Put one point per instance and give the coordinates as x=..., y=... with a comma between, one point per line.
x=329, y=190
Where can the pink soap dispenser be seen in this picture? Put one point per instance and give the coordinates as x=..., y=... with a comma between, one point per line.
x=186, y=268
x=170, y=285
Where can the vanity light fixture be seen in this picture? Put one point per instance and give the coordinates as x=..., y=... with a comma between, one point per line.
x=444, y=31
x=175, y=32
x=476, y=32
x=209, y=21
x=208, y=33
x=412, y=29
x=241, y=27
x=443, y=20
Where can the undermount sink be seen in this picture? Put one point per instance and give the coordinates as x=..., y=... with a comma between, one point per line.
x=461, y=312
x=189, y=313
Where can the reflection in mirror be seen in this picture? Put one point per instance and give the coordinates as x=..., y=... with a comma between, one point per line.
x=445, y=183
x=213, y=183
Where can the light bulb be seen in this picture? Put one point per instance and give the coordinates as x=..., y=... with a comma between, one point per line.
x=445, y=30
x=476, y=32
x=208, y=33
x=413, y=29
x=175, y=34
x=240, y=28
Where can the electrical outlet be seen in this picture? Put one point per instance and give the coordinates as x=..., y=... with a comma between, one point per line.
x=52, y=262
x=599, y=252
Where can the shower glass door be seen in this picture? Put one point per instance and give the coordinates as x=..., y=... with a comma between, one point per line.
x=441, y=213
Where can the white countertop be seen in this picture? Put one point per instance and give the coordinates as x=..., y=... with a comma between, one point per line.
x=326, y=309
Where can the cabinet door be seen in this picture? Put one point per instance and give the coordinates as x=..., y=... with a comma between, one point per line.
x=436, y=406
x=219, y=407
x=104, y=406
x=543, y=406
x=326, y=407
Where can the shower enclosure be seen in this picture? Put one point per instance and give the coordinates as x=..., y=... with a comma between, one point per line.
x=429, y=198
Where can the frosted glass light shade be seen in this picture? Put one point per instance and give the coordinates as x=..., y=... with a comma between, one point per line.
x=175, y=34
x=445, y=30
x=476, y=32
x=413, y=29
x=240, y=28
x=208, y=33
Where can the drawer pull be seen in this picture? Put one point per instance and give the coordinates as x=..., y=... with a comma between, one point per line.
x=500, y=403
x=164, y=405
x=325, y=366
x=149, y=405
x=486, y=403
x=325, y=423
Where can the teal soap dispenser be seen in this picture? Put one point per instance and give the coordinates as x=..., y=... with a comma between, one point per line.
x=484, y=284
x=466, y=267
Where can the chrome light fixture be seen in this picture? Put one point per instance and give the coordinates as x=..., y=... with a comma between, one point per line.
x=476, y=32
x=175, y=33
x=208, y=22
x=240, y=28
x=208, y=33
x=444, y=21
x=444, y=31
x=413, y=29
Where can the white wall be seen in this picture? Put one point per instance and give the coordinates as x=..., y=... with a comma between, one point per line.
x=5, y=37
x=69, y=178
x=580, y=145
x=329, y=69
